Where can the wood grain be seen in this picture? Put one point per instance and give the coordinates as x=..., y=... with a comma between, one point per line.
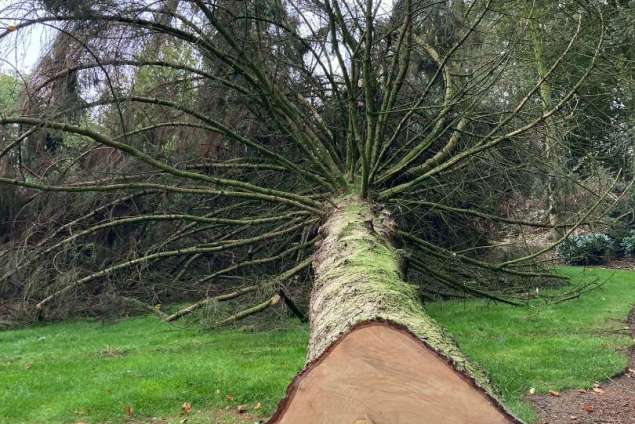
x=379, y=374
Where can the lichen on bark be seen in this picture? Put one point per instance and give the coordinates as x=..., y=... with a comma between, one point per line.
x=358, y=279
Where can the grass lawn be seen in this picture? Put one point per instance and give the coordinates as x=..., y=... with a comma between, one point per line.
x=92, y=372
x=554, y=347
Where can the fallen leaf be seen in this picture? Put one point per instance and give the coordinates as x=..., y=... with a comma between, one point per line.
x=257, y=406
x=554, y=393
x=598, y=390
x=186, y=408
x=128, y=410
x=241, y=409
x=588, y=408
x=11, y=28
x=229, y=397
x=532, y=390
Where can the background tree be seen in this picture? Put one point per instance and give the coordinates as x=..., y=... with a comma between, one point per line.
x=10, y=201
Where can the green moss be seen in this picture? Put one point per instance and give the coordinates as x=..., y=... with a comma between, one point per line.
x=363, y=267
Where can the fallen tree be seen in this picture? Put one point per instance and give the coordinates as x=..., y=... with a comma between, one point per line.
x=371, y=143
x=374, y=355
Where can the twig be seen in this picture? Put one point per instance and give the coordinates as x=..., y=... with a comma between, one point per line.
x=207, y=301
x=153, y=309
x=292, y=306
x=275, y=299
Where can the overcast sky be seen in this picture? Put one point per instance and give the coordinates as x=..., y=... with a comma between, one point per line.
x=23, y=54
x=21, y=50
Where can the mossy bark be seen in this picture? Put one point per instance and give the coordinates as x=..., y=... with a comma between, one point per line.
x=358, y=279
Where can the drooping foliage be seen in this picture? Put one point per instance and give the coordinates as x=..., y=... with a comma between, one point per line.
x=199, y=143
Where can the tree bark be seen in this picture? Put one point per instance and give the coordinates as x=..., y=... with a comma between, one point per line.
x=359, y=283
x=551, y=138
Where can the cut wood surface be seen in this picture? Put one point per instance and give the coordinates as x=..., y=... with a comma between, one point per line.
x=381, y=374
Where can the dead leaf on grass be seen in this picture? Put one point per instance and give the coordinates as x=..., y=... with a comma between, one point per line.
x=186, y=408
x=128, y=410
x=112, y=352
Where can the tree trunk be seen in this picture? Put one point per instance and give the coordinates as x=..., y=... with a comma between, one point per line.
x=551, y=139
x=374, y=356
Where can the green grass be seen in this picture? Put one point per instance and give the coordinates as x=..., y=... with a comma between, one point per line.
x=89, y=371
x=550, y=347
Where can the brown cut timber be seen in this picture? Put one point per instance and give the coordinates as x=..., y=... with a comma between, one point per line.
x=381, y=374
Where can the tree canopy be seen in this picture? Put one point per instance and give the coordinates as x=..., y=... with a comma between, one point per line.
x=195, y=146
